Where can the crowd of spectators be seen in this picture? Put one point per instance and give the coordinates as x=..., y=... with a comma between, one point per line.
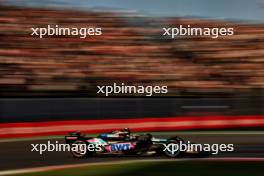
x=131, y=50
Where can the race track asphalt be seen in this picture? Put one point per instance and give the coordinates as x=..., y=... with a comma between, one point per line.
x=18, y=155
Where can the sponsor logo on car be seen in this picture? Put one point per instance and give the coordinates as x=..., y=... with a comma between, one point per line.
x=120, y=146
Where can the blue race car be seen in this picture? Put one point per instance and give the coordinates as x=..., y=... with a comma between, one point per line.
x=123, y=142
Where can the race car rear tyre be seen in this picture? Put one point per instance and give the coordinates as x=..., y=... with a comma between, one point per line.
x=79, y=149
x=170, y=150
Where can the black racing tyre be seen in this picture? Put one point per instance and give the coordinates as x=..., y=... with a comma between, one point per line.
x=172, y=152
x=81, y=150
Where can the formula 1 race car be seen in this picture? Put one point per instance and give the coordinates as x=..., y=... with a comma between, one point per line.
x=123, y=142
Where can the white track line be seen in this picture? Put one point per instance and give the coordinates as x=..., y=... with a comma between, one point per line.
x=59, y=167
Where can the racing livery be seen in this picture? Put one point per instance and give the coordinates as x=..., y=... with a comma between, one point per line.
x=123, y=142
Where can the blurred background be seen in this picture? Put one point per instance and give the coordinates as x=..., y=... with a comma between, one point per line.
x=48, y=85
x=132, y=49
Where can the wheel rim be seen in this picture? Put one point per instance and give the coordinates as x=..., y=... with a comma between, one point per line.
x=172, y=154
x=79, y=152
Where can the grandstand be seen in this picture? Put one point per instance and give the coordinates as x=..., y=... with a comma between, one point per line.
x=131, y=50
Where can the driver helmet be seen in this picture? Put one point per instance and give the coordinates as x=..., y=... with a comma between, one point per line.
x=126, y=130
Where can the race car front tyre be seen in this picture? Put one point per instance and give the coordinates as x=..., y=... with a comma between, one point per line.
x=79, y=149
